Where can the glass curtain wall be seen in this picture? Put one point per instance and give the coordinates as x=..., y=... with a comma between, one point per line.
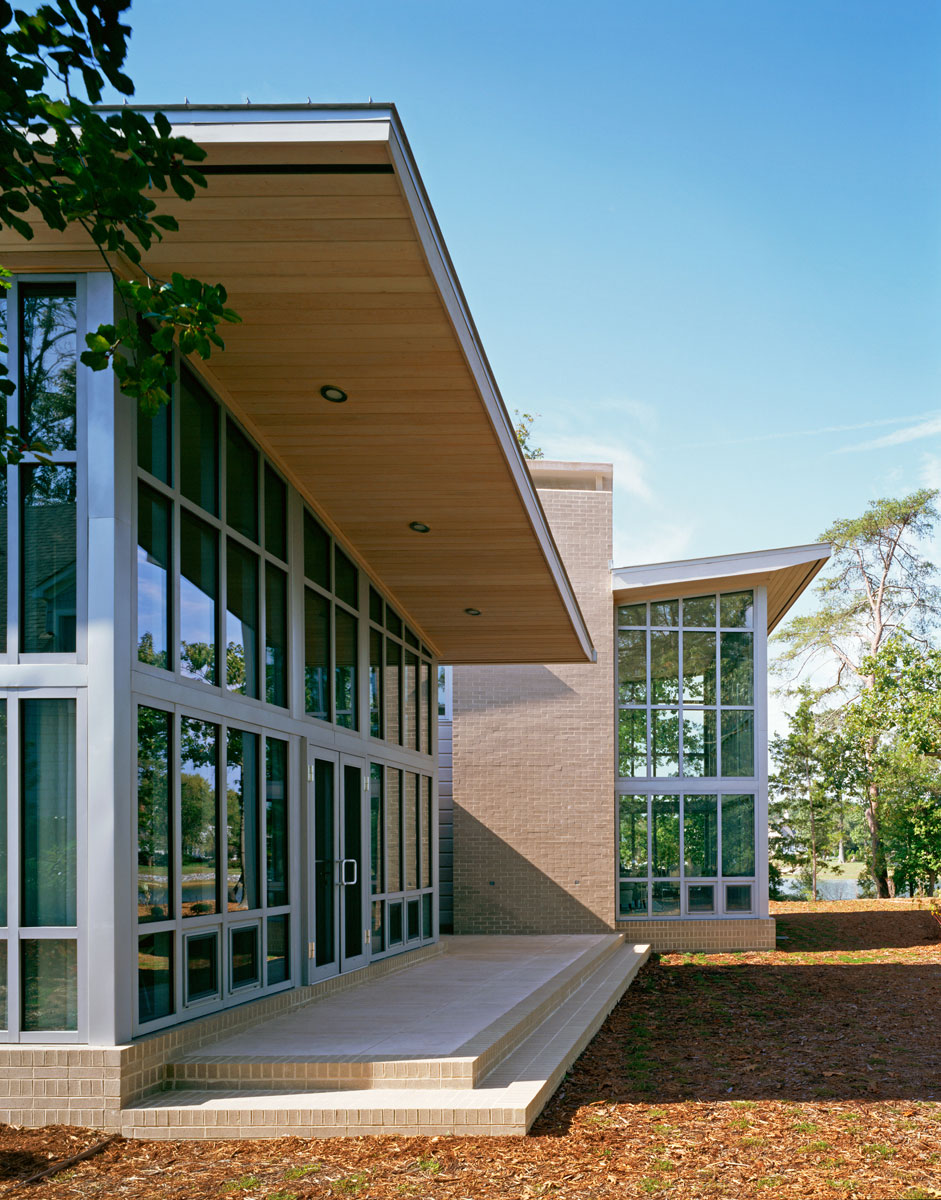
x=686, y=733
x=403, y=843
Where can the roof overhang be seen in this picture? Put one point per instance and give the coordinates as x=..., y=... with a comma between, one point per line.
x=785, y=573
x=317, y=223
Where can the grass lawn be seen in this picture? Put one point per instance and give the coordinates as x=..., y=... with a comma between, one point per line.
x=810, y=1071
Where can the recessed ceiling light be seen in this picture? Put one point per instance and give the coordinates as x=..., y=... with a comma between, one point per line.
x=472, y=612
x=329, y=392
x=419, y=527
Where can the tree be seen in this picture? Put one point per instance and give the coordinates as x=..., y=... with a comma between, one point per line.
x=523, y=430
x=879, y=582
x=63, y=163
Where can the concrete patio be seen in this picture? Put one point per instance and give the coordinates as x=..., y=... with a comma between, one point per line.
x=474, y=1040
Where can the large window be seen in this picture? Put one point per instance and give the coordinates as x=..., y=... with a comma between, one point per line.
x=402, y=847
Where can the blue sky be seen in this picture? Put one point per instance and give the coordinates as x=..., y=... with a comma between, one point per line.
x=701, y=238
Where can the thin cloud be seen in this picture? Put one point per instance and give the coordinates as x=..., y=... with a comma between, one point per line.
x=914, y=433
x=799, y=433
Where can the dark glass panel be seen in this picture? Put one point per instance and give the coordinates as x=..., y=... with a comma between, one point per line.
x=633, y=835
x=414, y=920
x=632, y=666
x=700, y=612
x=316, y=654
x=48, y=829
x=737, y=610
x=154, y=976
x=377, y=935
x=411, y=831
x=325, y=862
x=737, y=668
x=632, y=899
x=279, y=966
x=428, y=709
x=665, y=612
x=353, y=846
x=632, y=743
x=47, y=591
x=738, y=743
x=198, y=831
x=276, y=821
x=242, y=834
x=3, y=557
x=202, y=966
x=395, y=923
x=4, y=1013
x=375, y=606
x=276, y=636
x=199, y=591
x=244, y=957
x=666, y=899
x=393, y=621
x=665, y=835
x=410, y=722
x=392, y=689
x=701, y=898
x=155, y=443
x=241, y=482
x=241, y=620
x=154, y=842
x=738, y=897
x=3, y=825
x=411, y=638
x=316, y=551
x=700, y=835
x=154, y=515
x=376, y=818
x=375, y=683
x=427, y=916
x=395, y=878
x=738, y=835
x=427, y=841
x=347, y=691
x=49, y=983
x=48, y=361
x=345, y=579
x=199, y=443
x=632, y=614
x=276, y=514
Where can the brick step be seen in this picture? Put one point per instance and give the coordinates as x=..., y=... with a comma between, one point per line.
x=464, y=1068
x=505, y=1102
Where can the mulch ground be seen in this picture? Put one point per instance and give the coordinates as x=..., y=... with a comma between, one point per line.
x=811, y=1071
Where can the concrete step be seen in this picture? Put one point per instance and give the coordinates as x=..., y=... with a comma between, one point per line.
x=506, y=1100
x=463, y=1068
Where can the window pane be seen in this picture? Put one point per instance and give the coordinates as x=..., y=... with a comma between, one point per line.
x=738, y=897
x=392, y=689
x=442, y=692
x=738, y=743
x=427, y=841
x=241, y=482
x=347, y=691
x=700, y=612
x=699, y=743
x=316, y=654
x=47, y=605
x=375, y=829
x=276, y=822
x=633, y=835
x=664, y=612
x=202, y=966
x=632, y=899
x=3, y=557
x=411, y=831
x=154, y=976
x=345, y=579
x=243, y=956
x=701, y=898
x=276, y=636
x=199, y=444
x=410, y=722
x=325, y=863
x=738, y=835
x=699, y=668
x=276, y=515
x=393, y=621
x=632, y=614
x=666, y=899
x=154, y=734
x=395, y=923
x=241, y=620
x=153, y=578
x=665, y=667
x=48, y=364
x=316, y=551
x=427, y=709
x=700, y=835
x=3, y=824
x=198, y=742
x=375, y=606
x=377, y=930
x=278, y=959
x=665, y=835
x=47, y=813
x=664, y=743
x=632, y=667
x=427, y=915
x=154, y=442
x=199, y=586
x=375, y=683
x=49, y=980
x=242, y=821
x=632, y=743
x=394, y=830
x=736, y=609
x=737, y=668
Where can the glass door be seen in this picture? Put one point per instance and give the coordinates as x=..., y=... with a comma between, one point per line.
x=354, y=866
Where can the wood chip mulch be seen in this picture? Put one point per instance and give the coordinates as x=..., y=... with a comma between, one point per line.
x=810, y=1071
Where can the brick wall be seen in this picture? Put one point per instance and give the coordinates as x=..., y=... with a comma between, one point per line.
x=533, y=755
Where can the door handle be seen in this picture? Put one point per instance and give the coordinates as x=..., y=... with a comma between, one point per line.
x=349, y=862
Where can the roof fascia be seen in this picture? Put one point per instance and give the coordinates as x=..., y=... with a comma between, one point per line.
x=694, y=570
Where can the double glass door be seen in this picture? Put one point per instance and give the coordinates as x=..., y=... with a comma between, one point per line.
x=338, y=864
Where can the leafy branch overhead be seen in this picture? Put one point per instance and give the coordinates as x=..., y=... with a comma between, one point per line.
x=63, y=163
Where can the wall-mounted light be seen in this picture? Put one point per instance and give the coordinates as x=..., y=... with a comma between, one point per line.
x=334, y=394
x=419, y=527
x=472, y=612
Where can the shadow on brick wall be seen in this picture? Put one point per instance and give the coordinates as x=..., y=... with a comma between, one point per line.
x=498, y=891
x=508, y=685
